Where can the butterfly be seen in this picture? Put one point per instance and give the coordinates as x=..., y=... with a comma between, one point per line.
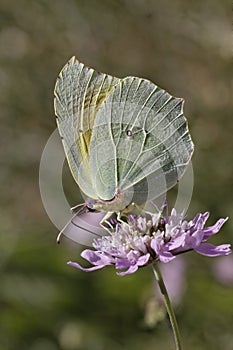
x=126, y=140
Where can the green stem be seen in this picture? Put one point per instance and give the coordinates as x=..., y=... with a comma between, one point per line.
x=168, y=304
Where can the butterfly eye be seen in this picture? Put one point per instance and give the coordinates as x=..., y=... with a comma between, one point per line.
x=129, y=133
x=91, y=208
x=90, y=205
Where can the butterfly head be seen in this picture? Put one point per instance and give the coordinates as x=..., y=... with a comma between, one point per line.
x=117, y=204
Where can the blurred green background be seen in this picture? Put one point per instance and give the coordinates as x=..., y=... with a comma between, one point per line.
x=184, y=47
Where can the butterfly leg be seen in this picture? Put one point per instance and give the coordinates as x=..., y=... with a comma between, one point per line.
x=105, y=220
x=119, y=215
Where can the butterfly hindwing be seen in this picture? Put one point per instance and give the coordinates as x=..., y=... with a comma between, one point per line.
x=140, y=138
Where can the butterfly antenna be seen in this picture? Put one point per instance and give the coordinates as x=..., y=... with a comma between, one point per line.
x=84, y=229
x=70, y=221
x=77, y=206
x=80, y=212
x=62, y=231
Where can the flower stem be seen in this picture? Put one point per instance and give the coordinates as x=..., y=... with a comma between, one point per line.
x=168, y=304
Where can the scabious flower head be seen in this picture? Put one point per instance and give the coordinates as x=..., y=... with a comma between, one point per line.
x=144, y=239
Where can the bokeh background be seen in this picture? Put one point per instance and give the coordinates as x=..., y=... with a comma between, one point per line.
x=184, y=47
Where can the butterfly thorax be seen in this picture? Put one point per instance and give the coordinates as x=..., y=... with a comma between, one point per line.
x=117, y=204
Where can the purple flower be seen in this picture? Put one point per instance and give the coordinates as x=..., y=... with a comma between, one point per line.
x=145, y=239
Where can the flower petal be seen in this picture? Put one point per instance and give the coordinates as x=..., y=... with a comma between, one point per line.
x=200, y=219
x=122, y=263
x=208, y=249
x=131, y=269
x=161, y=250
x=96, y=257
x=132, y=263
x=165, y=257
x=143, y=260
x=211, y=230
x=176, y=243
x=195, y=239
x=86, y=269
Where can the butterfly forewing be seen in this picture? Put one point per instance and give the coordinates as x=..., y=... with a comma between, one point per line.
x=79, y=93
